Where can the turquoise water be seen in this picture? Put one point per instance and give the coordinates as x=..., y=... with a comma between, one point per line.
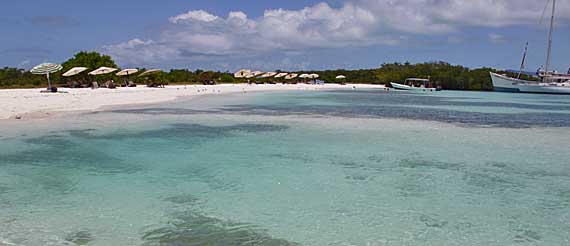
x=297, y=168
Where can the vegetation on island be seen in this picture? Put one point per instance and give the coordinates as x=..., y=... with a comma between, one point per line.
x=448, y=76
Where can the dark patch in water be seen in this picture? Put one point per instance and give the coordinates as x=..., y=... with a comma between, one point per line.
x=375, y=158
x=430, y=221
x=162, y=111
x=82, y=237
x=414, y=185
x=358, y=177
x=190, y=131
x=194, y=229
x=295, y=157
x=185, y=199
x=491, y=181
x=403, y=105
x=527, y=236
x=61, y=152
x=419, y=163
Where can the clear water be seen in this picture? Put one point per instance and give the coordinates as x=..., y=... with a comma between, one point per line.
x=296, y=168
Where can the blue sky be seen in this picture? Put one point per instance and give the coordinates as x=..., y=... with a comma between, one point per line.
x=289, y=35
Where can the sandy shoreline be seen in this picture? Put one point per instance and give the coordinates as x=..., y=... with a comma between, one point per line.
x=30, y=103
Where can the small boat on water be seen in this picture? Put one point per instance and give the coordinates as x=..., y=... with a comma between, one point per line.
x=548, y=82
x=414, y=84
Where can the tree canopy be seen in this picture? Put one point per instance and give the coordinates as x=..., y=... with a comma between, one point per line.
x=448, y=76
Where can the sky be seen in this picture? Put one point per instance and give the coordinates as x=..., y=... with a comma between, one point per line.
x=228, y=35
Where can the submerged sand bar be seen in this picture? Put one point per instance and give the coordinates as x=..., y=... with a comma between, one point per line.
x=18, y=102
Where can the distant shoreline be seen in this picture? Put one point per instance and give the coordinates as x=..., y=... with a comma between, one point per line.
x=21, y=104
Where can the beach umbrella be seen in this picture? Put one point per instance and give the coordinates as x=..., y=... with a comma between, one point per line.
x=269, y=74
x=257, y=73
x=242, y=73
x=74, y=71
x=149, y=72
x=102, y=70
x=127, y=72
x=46, y=68
x=304, y=76
x=291, y=76
x=280, y=75
x=341, y=77
x=313, y=76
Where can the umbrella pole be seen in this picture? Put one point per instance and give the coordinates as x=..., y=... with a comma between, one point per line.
x=49, y=82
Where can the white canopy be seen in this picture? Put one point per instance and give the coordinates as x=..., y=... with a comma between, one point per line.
x=102, y=70
x=304, y=76
x=268, y=74
x=341, y=77
x=242, y=73
x=149, y=72
x=127, y=71
x=291, y=76
x=74, y=71
x=313, y=76
x=279, y=75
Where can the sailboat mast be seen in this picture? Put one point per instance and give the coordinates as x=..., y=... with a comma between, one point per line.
x=523, y=60
x=549, y=52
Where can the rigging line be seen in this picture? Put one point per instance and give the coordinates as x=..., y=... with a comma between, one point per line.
x=544, y=12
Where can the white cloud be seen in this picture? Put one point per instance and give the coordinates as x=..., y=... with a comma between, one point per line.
x=197, y=15
x=356, y=23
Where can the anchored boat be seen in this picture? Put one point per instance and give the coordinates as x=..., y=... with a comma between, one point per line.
x=549, y=82
x=414, y=84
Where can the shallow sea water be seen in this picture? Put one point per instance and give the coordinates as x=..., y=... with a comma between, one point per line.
x=362, y=167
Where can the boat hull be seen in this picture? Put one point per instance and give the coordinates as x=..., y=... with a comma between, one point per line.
x=503, y=83
x=410, y=88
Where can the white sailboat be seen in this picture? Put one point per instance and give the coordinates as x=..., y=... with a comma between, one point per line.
x=549, y=82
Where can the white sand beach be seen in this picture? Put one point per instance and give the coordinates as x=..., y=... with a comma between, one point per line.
x=26, y=103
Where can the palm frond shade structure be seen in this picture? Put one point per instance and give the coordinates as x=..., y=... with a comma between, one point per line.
x=149, y=72
x=127, y=72
x=102, y=70
x=74, y=71
x=280, y=75
x=46, y=68
x=291, y=76
x=242, y=73
x=341, y=77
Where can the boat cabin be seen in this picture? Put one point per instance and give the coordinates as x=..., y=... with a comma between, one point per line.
x=415, y=82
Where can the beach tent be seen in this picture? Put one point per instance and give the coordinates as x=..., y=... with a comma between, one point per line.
x=341, y=77
x=46, y=68
x=242, y=73
x=74, y=71
x=127, y=72
x=102, y=70
x=280, y=75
